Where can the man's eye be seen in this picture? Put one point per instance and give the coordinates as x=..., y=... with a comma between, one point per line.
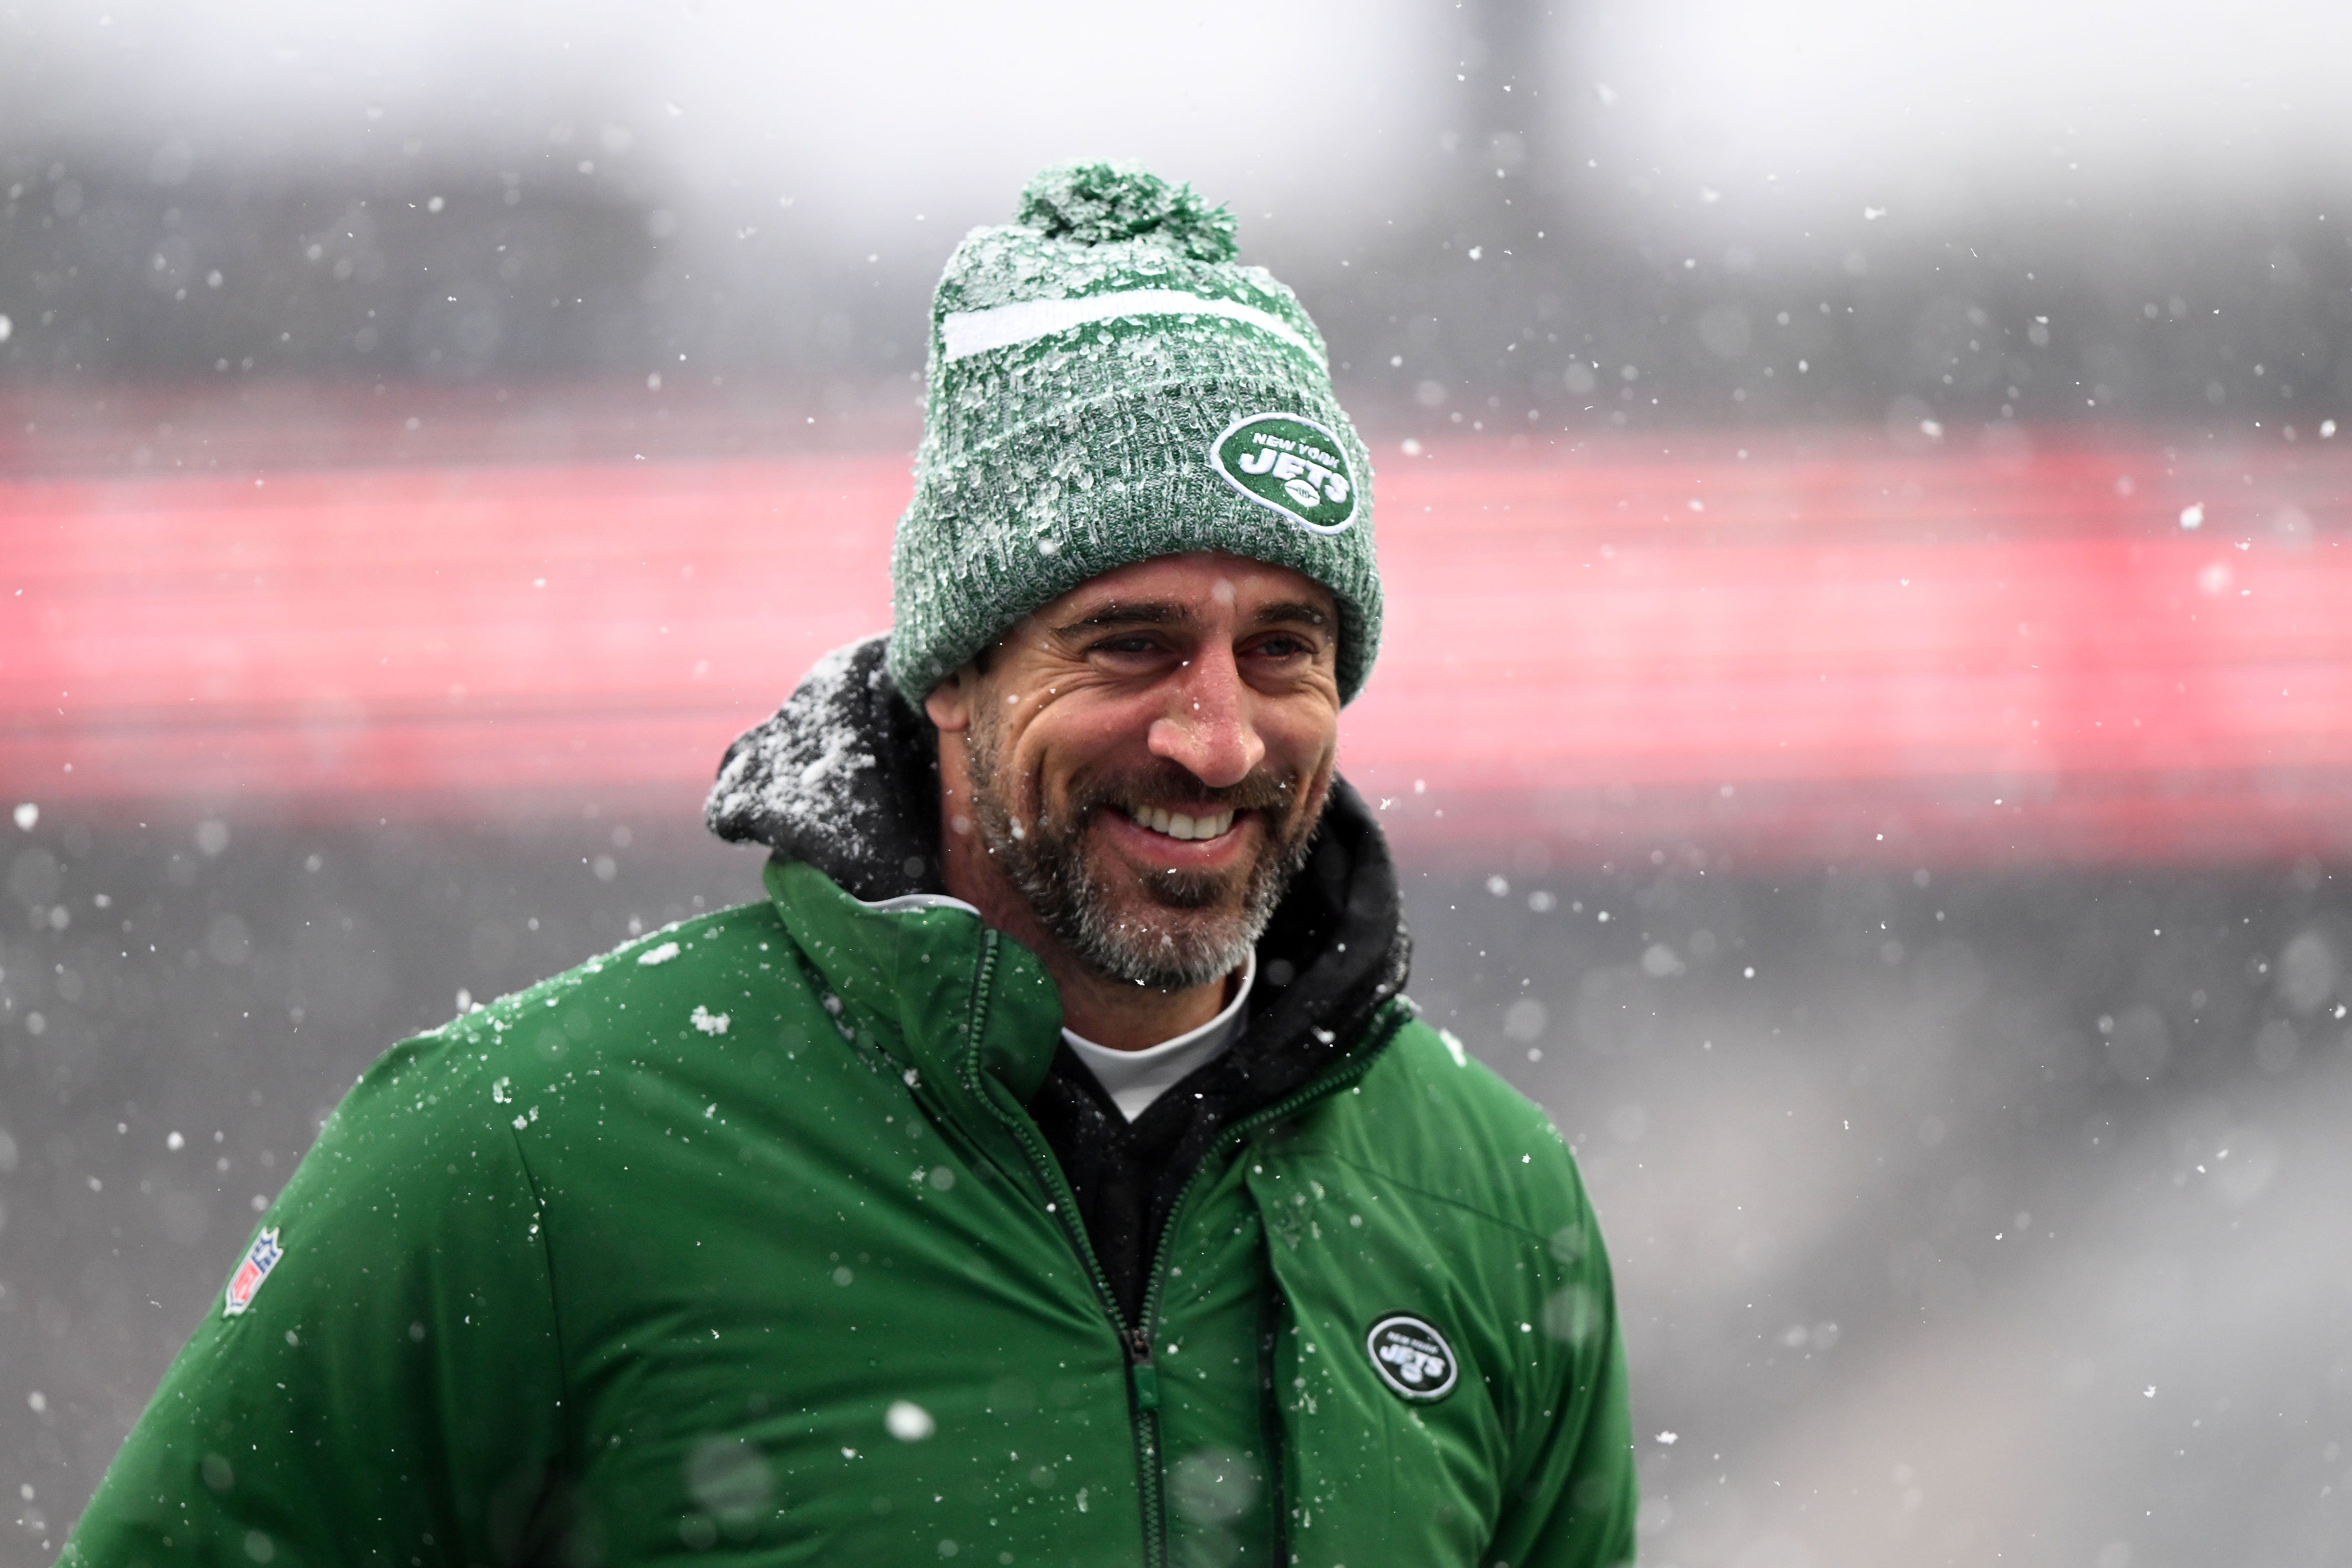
x=1285, y=647
x=1136, y=644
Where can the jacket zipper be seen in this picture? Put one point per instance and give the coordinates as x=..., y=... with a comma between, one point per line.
x=1134, y=1341
x=1269, y=1417
x=1330, y=1083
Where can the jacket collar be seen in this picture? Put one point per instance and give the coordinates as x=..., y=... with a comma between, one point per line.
x=912, y=976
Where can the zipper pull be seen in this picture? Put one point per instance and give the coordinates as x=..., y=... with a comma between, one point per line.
x=1142, y=1372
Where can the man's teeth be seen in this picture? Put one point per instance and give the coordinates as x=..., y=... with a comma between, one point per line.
x=1178, y=825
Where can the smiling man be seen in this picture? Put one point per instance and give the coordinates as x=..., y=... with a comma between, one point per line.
x=1051, y=1170
x=1134, y=779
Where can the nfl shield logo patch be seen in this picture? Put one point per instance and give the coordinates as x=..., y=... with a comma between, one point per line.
x=259, y=1260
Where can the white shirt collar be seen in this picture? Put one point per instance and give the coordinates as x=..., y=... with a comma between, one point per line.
x=1134, y=1079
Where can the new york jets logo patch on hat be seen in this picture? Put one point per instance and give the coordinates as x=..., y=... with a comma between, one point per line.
x=1412, y=1357
x=1289, y=465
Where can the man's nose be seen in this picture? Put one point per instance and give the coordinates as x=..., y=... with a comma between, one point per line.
x=1209, y=729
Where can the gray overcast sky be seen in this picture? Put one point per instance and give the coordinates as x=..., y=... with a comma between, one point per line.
x=1834, y=104
x=890, y=107
x=1328, y=109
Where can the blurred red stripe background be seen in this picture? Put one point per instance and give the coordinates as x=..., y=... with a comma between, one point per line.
x=2003, y=649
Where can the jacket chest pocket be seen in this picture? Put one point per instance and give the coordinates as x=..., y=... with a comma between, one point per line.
x=1386, y=1377
x=1393, y=1445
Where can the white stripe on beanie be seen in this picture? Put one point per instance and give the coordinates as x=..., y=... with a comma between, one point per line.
x=967, y=332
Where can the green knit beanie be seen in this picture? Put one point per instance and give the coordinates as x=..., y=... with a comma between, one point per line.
x=1109, y=384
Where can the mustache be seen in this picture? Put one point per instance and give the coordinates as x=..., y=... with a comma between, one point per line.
x=1168, y=783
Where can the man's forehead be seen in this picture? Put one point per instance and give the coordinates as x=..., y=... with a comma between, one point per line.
x=1171, y=588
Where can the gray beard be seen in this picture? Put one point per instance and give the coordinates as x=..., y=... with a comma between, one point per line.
x=1184, y=928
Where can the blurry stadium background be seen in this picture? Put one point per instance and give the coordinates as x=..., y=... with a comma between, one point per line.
x=1867, y=715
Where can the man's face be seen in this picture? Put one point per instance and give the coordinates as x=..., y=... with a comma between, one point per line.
x=1148, y=754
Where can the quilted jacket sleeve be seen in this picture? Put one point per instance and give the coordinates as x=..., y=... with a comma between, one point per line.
x=390, y=1392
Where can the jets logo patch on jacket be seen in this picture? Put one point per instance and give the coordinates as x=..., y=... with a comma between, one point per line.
x=1412, y=1357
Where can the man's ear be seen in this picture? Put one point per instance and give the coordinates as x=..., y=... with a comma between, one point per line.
x=949, y=703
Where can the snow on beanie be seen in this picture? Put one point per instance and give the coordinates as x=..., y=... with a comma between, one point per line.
x=1107, y=385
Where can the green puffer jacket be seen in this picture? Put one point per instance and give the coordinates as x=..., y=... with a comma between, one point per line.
x=740, y=1243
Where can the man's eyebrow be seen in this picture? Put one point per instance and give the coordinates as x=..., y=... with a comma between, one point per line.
x=1292, y=610
x=1167, y=613
x=1149, y=613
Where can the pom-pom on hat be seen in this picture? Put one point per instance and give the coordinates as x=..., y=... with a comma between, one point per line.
x=1109, y=384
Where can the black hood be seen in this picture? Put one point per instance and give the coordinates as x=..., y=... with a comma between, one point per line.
x=845, y=777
